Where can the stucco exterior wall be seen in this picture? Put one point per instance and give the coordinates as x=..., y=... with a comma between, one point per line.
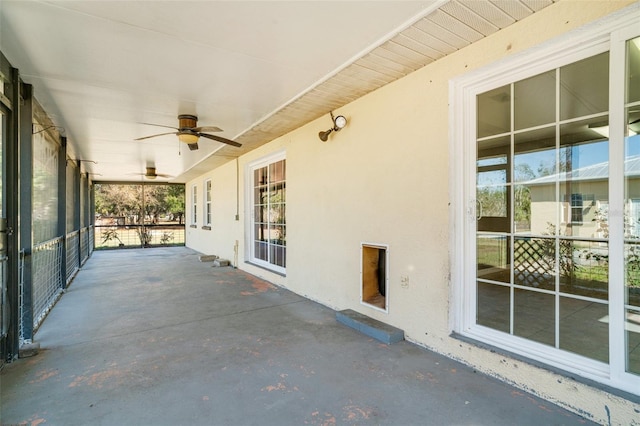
x=384, y=179
x=220, y=239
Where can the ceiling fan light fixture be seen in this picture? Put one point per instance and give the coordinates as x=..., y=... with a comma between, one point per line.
x=188, y=138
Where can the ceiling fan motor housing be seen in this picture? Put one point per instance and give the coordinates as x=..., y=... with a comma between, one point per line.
x=187, y=121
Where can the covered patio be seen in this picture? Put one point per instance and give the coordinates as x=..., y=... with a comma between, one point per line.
x=154, y=336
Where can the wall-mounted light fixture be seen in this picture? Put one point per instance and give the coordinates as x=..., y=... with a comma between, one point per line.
x=339, y=123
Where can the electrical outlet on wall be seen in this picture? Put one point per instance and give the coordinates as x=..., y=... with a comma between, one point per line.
x=404, y=281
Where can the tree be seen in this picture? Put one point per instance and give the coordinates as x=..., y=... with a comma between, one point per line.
x=175, y=202
x=522, y=194
x=125, y=200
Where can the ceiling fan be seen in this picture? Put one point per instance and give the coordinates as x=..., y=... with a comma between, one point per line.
x=189, y=133
x=151, y=174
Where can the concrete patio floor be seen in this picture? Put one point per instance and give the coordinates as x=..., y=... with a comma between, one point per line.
x=155, y=337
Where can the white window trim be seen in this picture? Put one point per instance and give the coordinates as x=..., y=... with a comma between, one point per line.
x=208, y=202
x=250, y=215
x=605, y=34
x=194, y=204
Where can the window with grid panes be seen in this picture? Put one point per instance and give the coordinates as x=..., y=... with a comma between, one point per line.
x=268, y=219
x=207, y=202
x=194, y=204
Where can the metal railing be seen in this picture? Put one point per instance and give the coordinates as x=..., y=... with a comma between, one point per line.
x=72, y=245
x=92, y=239
x=84, y=245
x=21, y=255
x=46, y=263
x=129, y=236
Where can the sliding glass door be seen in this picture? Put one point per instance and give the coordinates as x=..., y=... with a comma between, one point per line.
x=553, y=233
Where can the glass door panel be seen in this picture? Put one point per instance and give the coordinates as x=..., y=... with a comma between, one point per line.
x=542, y=194
x=633, y=71
x=632, y=329
x=584, y=328
x=494, y=112
x=493, y=257
x=535, y=101
x=493, y=184
x=4, y=311
x=584, y=175
x=534, y=262
x=584, y=87
x=552, y=226
x=269, y=214
x=632, y=207
x=493, y=307
x=534, y=316
x=534, y=166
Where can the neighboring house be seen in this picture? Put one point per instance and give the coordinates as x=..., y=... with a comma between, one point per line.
x=584, y=200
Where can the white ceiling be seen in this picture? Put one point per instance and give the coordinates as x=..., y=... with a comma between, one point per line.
x=256, y=69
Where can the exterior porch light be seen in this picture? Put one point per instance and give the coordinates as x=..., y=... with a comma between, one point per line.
x=339, y=123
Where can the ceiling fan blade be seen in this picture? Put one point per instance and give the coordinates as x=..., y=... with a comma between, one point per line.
x=207, y=129
x=160, y=125
x=193, y=146
x=153, y=136
x=221, y=139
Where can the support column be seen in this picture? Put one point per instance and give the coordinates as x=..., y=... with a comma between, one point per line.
x=92, y=214
x=77, y=187
x=84, y=214
x=62, y=206
x=85, y=206
x=11, y=211
x=26, y=209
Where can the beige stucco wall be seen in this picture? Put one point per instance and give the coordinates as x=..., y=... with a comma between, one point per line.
x=384, y=179
x=220, y=240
